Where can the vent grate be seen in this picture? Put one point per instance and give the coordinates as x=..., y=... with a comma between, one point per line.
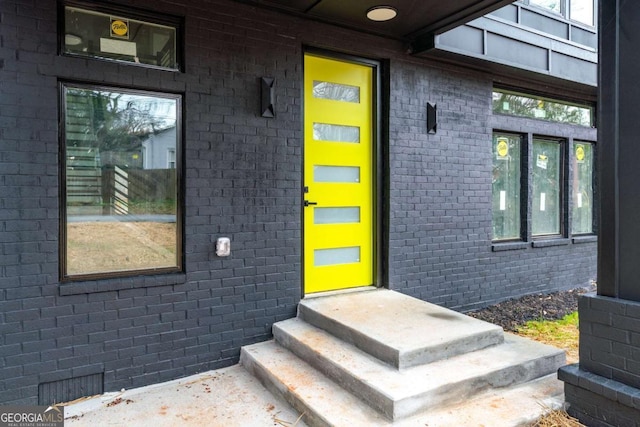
x=70, y=389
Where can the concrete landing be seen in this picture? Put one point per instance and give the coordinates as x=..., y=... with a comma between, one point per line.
x=397, y=329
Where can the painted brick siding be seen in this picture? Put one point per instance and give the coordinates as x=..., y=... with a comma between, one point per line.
x=610, y=338
x=603, y=389
x=440, y=246
x=243, y=180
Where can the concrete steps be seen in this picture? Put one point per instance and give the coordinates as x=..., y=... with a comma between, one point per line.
x=357, y=363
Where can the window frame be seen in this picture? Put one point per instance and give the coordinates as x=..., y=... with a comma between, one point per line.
x=594, y=154
x=533, y=96
x=524, y=170
x=180, y=184
x=566, y=174
x=176, y=22
x=562, y=186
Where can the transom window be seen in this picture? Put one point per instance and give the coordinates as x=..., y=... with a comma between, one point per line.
x=121, y=169
x=537, y=107
x=96, y=31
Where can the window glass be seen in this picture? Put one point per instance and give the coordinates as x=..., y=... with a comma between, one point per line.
x=506, y=186
x=517, y=104
x=101, y=35
x=546, y=187
x=582, y=11
x=120, y=192
x=582, y=188
x=552, y=5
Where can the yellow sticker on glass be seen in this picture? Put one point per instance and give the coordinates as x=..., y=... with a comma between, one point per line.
x=502, y=148
x=580, y=153
x=119, y=28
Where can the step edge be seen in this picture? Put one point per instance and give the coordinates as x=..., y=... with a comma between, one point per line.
x=398, y=407
x=312, y=415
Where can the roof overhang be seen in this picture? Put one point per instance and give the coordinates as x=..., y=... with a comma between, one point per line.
x=417, y=21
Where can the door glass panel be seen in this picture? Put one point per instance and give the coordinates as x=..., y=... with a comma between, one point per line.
x=336, y=91
x=324, y=257
x=336, y=215
x=335, y=133
x=345, y=174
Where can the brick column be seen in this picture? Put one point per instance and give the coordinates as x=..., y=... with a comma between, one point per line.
x=604, y=388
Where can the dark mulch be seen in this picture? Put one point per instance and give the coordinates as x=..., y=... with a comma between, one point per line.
x=515, y=312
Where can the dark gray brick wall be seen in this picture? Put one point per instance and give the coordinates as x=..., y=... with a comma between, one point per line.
x=610, y=338
x=440, y=192
x=243, y=178
x=597, y=401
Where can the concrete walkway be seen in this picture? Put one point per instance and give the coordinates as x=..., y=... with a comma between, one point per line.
x=227, y=397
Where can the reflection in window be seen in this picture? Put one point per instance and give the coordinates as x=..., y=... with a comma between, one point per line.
x=336, y=91
x=506, y=187
x=582, y=11
x=102, y=35
x=516, y=104
x=552, y=5
x=577, y=10
x=582, y=186
x=546, y=187
x=335, y=133
x=120, y=193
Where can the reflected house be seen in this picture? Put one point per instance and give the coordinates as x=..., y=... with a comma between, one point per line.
x=159, y=150
x=447, y=154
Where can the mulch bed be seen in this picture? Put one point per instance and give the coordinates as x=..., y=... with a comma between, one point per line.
x=515, y=312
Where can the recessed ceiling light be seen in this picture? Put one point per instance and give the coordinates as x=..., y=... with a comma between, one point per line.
x=382, y=13
x=72, y=39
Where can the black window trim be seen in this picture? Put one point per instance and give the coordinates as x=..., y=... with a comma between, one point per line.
x=180, y=185
x=178, y=22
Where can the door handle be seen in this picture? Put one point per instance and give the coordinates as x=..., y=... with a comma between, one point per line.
x=308, y=203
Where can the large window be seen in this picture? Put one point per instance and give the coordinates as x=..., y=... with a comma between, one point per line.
x=506, y=182
x=546, y=182
x=121, y=169
x=92, y=30
x=582, y=11
x=531, y=192
x=582, y=188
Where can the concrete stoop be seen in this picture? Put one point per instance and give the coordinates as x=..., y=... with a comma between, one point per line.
x=381, y=358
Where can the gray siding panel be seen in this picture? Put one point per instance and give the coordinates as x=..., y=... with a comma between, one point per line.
x=544, y=23
x=569, y=67
x=516, y=52
x=508, y=13
x=464, y=38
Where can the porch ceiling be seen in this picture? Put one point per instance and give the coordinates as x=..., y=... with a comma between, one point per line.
x=415, y=19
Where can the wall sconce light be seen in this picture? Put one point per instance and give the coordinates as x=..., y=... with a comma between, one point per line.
x=267, y=97
x=432, y=119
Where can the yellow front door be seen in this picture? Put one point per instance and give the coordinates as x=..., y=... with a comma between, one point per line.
x=338, y=174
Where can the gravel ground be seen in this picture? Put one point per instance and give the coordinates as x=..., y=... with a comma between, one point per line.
x=515, y=312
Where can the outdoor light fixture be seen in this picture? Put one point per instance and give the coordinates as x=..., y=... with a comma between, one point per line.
x=267, y=97
x=382, y=13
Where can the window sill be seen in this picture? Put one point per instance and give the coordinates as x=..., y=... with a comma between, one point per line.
x=118, y=284
x=508, y=246
x=585, y=239
x=551, y=242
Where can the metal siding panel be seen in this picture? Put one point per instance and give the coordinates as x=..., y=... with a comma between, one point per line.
x=517, y=53
x=464, y=38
